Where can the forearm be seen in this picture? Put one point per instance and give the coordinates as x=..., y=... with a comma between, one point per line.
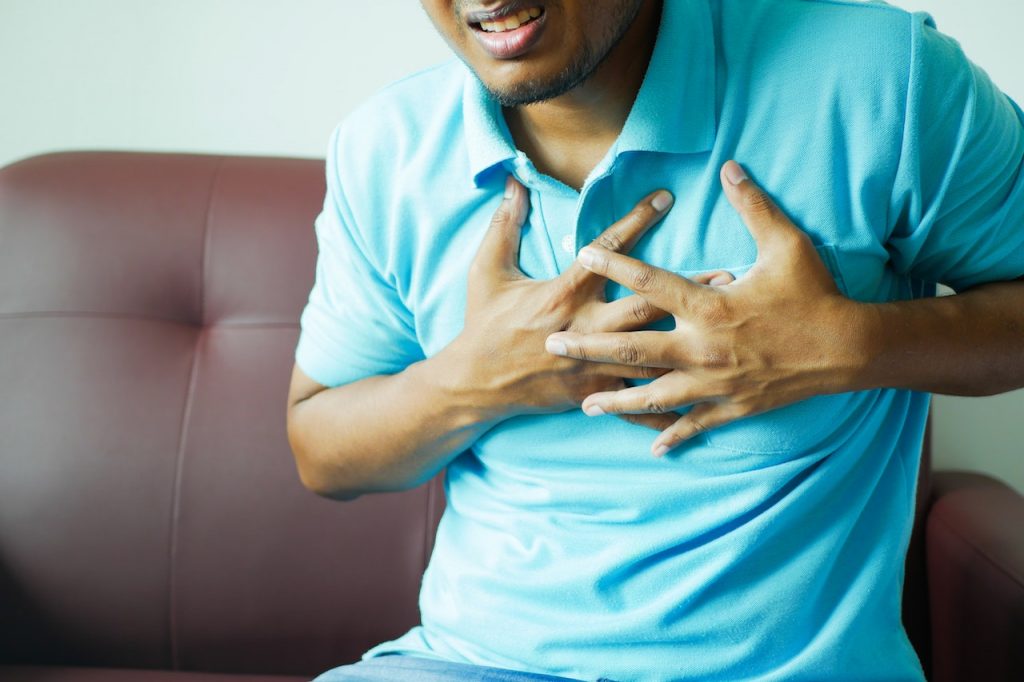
x=969, y=344
x=385, y=433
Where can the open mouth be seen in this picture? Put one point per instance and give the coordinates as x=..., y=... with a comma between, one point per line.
x=511, y=32
x=511, y=22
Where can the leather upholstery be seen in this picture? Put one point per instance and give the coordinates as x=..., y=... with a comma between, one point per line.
x=66, y=674
x=976, y=578
x=150, y=514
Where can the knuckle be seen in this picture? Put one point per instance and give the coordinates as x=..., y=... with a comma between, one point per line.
x=642, y=278
x=756, y=201
x=696, y=423
x=501, y=215
x=646, y=372
x=610, y=240
x=654, y=404
x=627, y=353
x=641, y=311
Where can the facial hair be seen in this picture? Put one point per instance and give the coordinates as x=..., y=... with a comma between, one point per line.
x=593, y=53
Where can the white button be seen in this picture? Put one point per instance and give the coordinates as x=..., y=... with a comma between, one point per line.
x=569, y=244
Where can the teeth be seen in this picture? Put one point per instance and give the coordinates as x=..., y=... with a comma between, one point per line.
x=511, y=23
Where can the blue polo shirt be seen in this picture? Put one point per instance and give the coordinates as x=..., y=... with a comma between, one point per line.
x=768, y=549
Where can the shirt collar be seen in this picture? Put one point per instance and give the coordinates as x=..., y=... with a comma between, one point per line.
x=487, y=136
x=674, y=110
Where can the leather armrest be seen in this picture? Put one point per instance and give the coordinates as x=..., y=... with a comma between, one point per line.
x=975, y=548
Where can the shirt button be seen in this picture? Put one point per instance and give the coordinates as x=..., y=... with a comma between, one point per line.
x=569, y=244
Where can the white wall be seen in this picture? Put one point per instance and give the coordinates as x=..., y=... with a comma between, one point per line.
x=273, y=77
x=243, y=76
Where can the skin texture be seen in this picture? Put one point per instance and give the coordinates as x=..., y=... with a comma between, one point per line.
x=603, y=46
x=345, y=439
x=578, y=37
x=549, y=346
x=736, y=350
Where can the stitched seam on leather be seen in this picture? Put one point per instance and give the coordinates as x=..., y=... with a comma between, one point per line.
x=182, y=431
x=203, y=262
x=179, y=468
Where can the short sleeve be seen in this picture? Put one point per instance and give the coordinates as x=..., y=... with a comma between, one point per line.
x=958, y=200
x=355, y=324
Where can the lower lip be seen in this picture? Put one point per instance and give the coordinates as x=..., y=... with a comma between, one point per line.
x=514, y=43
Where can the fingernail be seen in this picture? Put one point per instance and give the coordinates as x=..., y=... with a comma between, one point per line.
x=556, y=346
x=661, y=450
x=594, y=411
x=661, y=201
x=720, y=280
x=586, y=257
x=510, y=188
x=735, y=173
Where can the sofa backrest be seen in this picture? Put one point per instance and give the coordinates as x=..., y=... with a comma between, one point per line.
x=150, y=511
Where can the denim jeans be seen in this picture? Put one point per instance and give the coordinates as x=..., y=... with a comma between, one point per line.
x=399, y=668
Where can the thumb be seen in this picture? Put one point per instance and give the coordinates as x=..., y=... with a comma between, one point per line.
x=767, y=223
x=498, y=255
x=717, y=278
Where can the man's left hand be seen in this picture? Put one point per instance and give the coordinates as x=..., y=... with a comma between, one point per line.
x=780, y=333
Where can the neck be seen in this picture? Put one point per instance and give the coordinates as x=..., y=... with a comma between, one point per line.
x=567, y=136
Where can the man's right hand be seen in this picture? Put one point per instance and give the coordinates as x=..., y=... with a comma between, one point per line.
x=500, y=355
x=346, y=439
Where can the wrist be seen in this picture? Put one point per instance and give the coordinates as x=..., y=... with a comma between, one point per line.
x=861, y=345
x=458, y=384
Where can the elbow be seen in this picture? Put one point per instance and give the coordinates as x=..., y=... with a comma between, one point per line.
x=316, y=475
x=321, y=479
x=317, y=484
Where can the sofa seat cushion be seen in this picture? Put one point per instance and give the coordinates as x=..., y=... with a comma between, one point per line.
x=38, y=673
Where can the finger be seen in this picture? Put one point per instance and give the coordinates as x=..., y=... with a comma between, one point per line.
x=498, y=254
x=718, y=278
x=627, y=371
x=702, y=418
x=670, y=392
x=622, y=235
x=664, y=289
x=627, y=314
x=658, y=422
x=643, y=348
x=767, y=223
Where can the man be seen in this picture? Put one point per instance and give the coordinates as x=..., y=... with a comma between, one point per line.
x=457, y=321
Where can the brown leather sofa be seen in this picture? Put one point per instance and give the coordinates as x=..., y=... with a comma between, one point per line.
x=152, y=525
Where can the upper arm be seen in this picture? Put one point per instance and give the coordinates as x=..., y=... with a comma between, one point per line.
x=355, y=323
x=302, y=387
x=958, y=200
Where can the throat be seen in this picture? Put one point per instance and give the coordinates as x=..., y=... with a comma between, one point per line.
x=570, y=166
x=570, y=159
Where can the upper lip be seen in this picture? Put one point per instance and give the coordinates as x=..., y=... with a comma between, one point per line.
x=506, y=9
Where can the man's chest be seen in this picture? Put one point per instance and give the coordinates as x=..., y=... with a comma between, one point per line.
x=701, y=233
